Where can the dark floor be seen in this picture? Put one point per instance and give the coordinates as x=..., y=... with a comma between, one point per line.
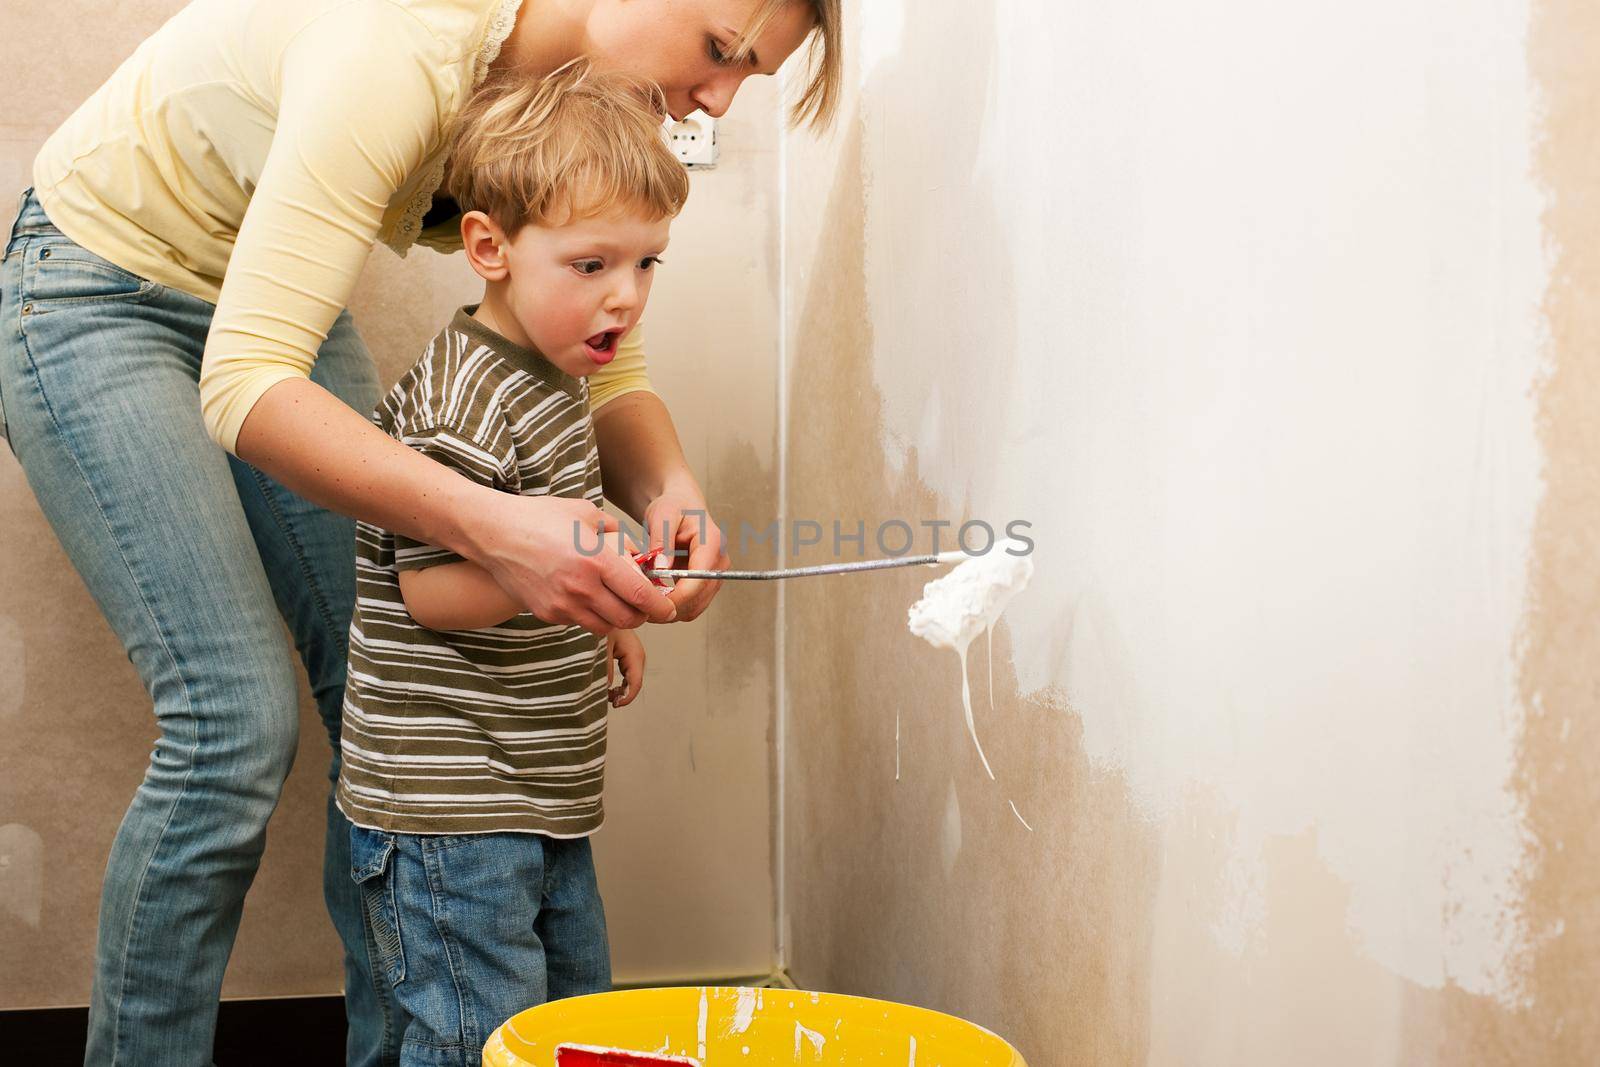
x=287, y=1032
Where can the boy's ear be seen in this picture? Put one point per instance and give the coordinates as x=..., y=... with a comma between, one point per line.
x=486, y=245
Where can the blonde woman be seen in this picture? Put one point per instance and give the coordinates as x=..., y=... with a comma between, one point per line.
x=188, y=398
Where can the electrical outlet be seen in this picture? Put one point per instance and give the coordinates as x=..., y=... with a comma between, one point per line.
x=694, y=140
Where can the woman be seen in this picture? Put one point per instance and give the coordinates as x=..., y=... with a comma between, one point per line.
x=176, y=281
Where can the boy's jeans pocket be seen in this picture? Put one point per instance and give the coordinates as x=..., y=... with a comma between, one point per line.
x=372, y=867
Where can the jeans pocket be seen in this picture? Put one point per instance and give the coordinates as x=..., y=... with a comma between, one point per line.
x=58, y=273
x=372, y=867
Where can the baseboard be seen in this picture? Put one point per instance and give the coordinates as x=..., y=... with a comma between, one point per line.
x=303, y=1031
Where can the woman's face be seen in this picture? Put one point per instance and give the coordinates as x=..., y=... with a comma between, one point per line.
x=683, y=45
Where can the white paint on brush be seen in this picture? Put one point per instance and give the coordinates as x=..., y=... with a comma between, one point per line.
x=958, y=607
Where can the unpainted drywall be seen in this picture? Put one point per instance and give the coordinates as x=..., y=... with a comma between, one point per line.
x=1269, y=319
x=685, y=857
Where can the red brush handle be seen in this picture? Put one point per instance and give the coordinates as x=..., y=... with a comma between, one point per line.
x=646, y=561
x=587, y=1056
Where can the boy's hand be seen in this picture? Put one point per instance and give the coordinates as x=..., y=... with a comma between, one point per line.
x=626, y=652
x=698, y=542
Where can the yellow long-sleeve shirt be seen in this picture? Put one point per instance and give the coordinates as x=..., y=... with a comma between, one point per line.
x=250, y=152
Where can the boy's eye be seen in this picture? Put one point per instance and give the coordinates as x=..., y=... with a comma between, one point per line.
x=649, y=261
x=588, y=266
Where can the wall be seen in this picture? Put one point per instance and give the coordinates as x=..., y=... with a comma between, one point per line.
x=685, y=857
x=1269, y=318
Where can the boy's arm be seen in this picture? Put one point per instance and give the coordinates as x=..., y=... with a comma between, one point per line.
x=456, y=596
x=444, y=592
x=441, y=589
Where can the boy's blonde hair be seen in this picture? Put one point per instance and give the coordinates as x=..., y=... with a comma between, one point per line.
x=575, y=144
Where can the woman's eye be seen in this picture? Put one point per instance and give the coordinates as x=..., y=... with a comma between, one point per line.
x=588, y=266
x=714, y=50
x=649, y=261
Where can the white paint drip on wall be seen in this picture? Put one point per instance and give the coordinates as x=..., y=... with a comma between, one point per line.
x=22, y=873
x=989, y=659
x=1255, y=357
x=950, y=833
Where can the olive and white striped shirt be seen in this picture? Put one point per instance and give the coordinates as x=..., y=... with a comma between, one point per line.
x=476, y=731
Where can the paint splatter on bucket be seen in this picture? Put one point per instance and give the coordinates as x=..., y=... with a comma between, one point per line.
x=718, y=1026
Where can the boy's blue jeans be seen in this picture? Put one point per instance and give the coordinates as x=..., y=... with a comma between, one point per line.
x=473, y=928
x=197, y=560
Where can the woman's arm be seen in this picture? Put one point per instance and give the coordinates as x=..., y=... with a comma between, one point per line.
x=307, y=438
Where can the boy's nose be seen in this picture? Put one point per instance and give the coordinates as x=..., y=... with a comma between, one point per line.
x=624, y=296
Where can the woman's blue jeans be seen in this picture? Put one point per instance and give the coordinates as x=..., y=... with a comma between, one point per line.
x=196, y=559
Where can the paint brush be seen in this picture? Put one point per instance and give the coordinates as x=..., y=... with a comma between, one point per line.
x=932, y=560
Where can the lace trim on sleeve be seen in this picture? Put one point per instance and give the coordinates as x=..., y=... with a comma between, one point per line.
x=409, y=224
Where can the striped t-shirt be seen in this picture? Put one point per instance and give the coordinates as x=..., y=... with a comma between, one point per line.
x=476, y=731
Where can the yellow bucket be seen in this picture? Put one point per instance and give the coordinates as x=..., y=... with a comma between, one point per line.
x=738, y=1027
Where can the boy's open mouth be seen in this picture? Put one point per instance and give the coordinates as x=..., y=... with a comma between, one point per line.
x=602, y=346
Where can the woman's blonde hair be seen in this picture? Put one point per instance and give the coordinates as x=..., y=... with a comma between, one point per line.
x=572, y=145
x=819, y=100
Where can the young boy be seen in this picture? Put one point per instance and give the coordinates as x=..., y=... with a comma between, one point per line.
x=474, y=733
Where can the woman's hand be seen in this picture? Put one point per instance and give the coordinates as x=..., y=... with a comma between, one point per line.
x=626, y=653
x=680, y=522
x=543, y=551
x=645, y=474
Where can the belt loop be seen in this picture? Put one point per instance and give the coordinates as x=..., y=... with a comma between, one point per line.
x=22, y=206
